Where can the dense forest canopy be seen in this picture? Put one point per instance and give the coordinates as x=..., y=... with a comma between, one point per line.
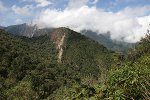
x=29, y=68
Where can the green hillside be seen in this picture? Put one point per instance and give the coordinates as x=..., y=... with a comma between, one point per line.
x=32, y=64
x=127, y=81
x=65, y=65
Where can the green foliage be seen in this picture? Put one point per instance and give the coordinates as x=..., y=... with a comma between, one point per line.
x=85, y=54
x=34, y=60
x=129, y=82
x=21, y=57
x=132, y=80
x=22, y=91
x=29, y=69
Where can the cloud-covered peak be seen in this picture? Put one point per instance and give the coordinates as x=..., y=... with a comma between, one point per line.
x=126, y=20
x=122, y=25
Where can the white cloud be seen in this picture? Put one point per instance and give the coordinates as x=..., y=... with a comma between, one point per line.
x=39, y=3
x=19, y=21
x=123, y=25
x=43, y=3
x=24, y=11
x=77, y=3
x=2, y=8
x=137, y=11
x=94, y=1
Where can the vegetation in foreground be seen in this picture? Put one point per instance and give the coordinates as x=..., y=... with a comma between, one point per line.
x=29, y=70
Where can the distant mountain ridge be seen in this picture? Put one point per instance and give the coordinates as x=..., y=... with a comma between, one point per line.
x=1, y=27
x=33, y=31
x=26, y=30
x=108, y=42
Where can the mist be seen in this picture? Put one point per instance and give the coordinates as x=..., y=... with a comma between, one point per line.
x=128, y=24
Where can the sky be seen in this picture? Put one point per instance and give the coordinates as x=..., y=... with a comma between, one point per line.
x=126, y=20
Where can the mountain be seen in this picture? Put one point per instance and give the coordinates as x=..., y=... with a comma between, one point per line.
x=26, y=30
x=128, y=80
x=21, y=30
x=105, y=39
x=41, y=65
x=64, y=64
x=80, y=51
x=33, y=31
x=1, y=27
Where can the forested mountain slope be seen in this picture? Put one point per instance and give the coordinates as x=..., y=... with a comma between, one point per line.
x=129, y=80
x=33, y=64
x=67, y=65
